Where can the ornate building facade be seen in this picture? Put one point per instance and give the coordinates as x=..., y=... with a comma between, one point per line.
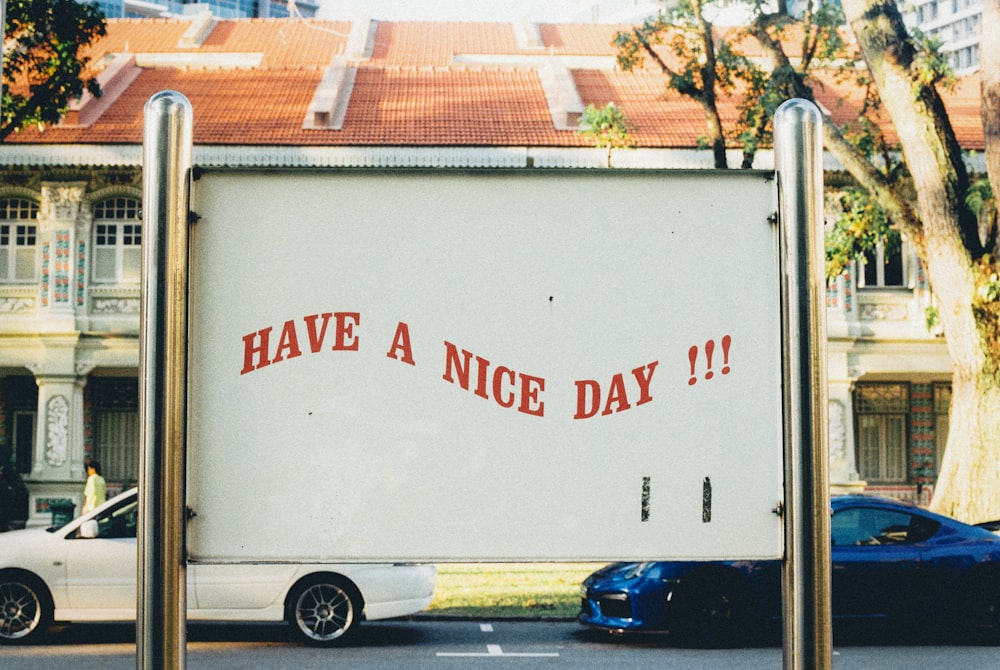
x=889, y=378
x=69, y=300
x=332, y=95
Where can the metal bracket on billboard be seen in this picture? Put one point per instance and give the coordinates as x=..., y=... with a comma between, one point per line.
x=806, y=576
x=161, y=578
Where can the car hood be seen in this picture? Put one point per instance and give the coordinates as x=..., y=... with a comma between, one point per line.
x=621, y=576
x=613, y=572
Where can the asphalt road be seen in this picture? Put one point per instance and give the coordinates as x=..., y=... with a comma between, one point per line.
x=427, y=644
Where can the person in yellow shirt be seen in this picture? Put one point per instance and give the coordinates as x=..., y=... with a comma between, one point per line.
x=95, y=491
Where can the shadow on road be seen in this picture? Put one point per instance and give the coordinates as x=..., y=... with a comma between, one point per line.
x=410, y=632
x=380, y=634
x=845, y=634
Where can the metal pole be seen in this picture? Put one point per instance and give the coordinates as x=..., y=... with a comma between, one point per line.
x=806, y=578
x=162, y=578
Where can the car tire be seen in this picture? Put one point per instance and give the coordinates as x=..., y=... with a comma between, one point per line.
x=25, y=607
x=324, y=610
x=712, y=609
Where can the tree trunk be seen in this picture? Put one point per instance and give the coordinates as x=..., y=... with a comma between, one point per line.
x=709, y=103
x=989, y=55
x=969, y=479
x=968, y=485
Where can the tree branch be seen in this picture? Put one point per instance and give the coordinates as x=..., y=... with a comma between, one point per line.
x=899, y=210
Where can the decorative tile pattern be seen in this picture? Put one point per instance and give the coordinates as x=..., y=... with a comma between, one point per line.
x=922, y=443
x=46, y=274
x=848, y=291
x=61, y=272
x=81, y=272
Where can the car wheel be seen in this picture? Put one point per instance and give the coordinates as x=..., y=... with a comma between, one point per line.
x=712, y=610
x=25, y=607
x=324, y=609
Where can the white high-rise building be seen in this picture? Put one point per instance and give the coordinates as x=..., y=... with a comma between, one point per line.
x=958, y=23
x=228, y=9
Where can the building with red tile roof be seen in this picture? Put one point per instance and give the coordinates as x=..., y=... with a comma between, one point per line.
x=257, y=82
x=307, y=93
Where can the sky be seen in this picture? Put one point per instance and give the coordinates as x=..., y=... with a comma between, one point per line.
x=565, y=11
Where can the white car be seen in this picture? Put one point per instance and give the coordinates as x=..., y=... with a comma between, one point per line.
x=86, y=571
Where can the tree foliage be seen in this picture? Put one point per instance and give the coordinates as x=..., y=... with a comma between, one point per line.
x=43, y=62
x=606, y=127
x=693, y=65
x=703, y=63
x=861, y=227
x=919, y=188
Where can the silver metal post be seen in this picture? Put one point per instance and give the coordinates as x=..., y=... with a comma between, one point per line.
x=806, y=581
x=162, y=579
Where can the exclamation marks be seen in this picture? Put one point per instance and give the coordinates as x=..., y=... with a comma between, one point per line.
x=726, y=343
x=709, y=354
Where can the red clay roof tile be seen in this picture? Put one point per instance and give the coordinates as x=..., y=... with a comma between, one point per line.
x=412, y=91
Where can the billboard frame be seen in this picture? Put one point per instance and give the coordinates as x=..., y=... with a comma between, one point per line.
x=167, y=164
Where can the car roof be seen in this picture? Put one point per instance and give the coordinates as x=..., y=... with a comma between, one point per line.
x=866, y=500
x=853, y=499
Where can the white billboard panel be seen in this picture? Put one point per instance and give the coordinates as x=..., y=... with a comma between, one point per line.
x=402, y=365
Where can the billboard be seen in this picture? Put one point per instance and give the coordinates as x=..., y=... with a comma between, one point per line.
x=462, y=365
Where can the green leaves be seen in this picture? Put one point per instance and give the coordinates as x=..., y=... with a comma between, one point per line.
x=43, y=67
x=861, y=226
x=979, y=198
x=930, y=64
x=605, y=127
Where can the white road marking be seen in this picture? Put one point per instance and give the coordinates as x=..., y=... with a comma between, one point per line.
x=494, y=650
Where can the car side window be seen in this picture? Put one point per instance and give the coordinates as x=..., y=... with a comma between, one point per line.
x=119, y=522
x=863, y=526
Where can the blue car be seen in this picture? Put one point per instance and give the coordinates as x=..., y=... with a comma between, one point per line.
x=891, y=561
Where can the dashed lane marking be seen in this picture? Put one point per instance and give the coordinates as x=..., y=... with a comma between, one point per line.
x=494, y=650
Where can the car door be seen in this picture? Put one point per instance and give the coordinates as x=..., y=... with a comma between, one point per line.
x=876, y=556
x=232, y=587
x=101, y=570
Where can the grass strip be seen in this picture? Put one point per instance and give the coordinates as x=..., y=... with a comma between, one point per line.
x=509, y=590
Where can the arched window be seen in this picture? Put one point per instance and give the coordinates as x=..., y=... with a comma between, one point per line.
x=117, y=246
x=18, y=240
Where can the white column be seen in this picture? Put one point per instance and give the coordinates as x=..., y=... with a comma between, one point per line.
x=57, y=463
x=844, y=476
